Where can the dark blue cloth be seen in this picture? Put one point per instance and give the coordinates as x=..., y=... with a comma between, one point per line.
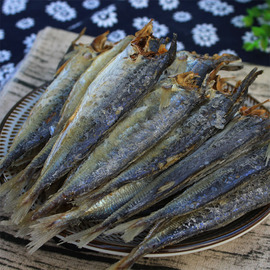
x=204, y=26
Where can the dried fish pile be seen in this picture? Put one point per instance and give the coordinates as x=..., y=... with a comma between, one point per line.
x=135, y=138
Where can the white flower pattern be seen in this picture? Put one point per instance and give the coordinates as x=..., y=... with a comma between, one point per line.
x=179, y=46
x=205, y=35
x=222, y=9
x=25, y=23
x=91, y=4
x=227, y=51
x=216, y=7
x=2, y=34
x=5, y=73
x=28, y=42
x=160, y=30
x=4, y=55
x=208, y=5
x=249, y=37
x=182, y=16
x=106, y=17
x=237, y=21
x=61, y=11
x=139, y=3
x=116, y=35
x=11, y=7
x=169, y=4
x=140, y=22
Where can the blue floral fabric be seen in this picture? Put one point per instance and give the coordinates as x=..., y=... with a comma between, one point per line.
x=204, y=26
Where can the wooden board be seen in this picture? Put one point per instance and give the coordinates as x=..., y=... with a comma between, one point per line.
x=251, y=251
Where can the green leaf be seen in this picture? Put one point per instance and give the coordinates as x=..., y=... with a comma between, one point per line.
x=256, y=43
x=268, y=2
x=266, y=29
x=248, y=46
x=258, y=31
x=266, y=14
x=254, y=12
x=264, y=43
x=248, y=21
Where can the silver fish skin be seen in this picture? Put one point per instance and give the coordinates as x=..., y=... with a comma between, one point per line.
x=113, y=93
x=68, y=109
x=213, y=185
x=120, y=149
x=86, y=78
x=207, y=189
x=250, y=196
x=139, y=131
x=16, y=184
x=46, y=111
x=183, y=139
x=46, y=228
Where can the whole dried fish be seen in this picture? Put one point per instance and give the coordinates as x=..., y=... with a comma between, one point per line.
x=208, y=188
x=250, y=196
x=204, y=190
x=120, y=85
x=45, y=114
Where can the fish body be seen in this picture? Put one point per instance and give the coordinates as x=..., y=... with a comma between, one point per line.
x=113, y=93
x=253, y=194
x=46, y=112
x=140, y=130
x=73, y=100
x=208, y=188
x=80, y=87
x=183, y=139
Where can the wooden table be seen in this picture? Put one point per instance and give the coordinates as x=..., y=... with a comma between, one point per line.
x=251, y=251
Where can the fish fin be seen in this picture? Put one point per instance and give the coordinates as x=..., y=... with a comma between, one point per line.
x=44, y=229
x=8, y=186
x=40, y=237
x=132, y=232
x=84, y=237
x=22, y=207
x=131, y=229
x=59, y=70
x=12, y=196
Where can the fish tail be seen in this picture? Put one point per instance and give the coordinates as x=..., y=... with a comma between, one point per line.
x=45, y=229
x=9, y=185
x=85, y=236
x=130, y=229
x=22, y=206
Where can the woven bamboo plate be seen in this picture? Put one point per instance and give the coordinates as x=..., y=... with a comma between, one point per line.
x=113, y=244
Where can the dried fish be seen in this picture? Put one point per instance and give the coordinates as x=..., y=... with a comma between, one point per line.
x=253, y=194
x=45, y=114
